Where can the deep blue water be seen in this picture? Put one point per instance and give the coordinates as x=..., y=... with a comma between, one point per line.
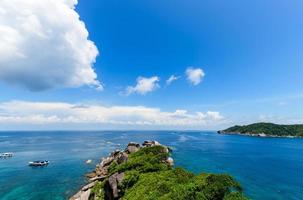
x=267, y=168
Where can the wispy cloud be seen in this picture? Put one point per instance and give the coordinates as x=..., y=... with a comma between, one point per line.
x=171, y=79
x=280, y=119
x=194, y=75
x=274, y=100
x=144, y=85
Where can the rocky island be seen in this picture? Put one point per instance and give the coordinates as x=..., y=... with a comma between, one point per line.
x=266, y=130
x=147, y=172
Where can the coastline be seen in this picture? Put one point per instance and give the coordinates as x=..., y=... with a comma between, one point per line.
x=102, y=171
x=257, y=135
x=147, y=172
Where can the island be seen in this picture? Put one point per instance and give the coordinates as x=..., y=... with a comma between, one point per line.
x=144, y=172
x=266, y=130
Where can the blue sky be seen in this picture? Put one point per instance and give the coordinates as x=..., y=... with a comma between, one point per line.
x=250, y=53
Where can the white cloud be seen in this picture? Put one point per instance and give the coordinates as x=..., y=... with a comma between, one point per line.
x=171, y=79
x=144, y=85
x=18, y=113
x=194, y=75
x=44, y=44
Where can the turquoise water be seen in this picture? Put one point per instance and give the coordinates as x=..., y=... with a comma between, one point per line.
x=268, y=168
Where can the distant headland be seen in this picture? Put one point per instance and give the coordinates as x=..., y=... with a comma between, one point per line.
x=266, y=130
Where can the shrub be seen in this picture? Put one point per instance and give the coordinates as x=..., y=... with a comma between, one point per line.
x=149, y=177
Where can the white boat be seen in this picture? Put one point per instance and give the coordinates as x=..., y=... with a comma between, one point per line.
x=38, y=163
x=6, y=155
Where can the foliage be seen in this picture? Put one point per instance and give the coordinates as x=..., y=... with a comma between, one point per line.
x=171, y=184
x=268, y=129
x=149, y=159
x=129, y=180
x=98, y=191
x=149, y=177
x=234, y=196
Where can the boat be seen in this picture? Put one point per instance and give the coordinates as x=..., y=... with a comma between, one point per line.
x=6, y=155
x=38, y=163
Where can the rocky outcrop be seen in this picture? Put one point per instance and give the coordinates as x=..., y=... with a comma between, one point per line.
x=112, y=181
x=84, y=193
x=132, y=147
x=148, y=143
x=111, y=187
x=145, y=172
x=122, y=157
x=170, y=161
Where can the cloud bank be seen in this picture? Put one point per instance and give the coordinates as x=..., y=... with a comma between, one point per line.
x=144, y=85
x=44, y=44
x=194, y=75
x=18, y=113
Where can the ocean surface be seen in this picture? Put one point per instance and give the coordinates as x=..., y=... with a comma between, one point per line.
x=267, y=168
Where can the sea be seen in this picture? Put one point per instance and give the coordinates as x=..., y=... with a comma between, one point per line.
x=267, y=168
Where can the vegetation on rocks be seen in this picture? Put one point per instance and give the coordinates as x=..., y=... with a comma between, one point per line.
x=148, y=176
x=149, y=159
x=179, y=184
x=266, y=129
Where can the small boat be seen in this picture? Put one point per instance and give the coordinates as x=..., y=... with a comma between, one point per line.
x=38, y=163
x=6, y=155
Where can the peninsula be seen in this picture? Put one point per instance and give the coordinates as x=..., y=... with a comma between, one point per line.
x=266, y=130
x=147, y=172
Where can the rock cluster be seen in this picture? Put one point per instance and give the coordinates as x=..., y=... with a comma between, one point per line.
x=101, y=171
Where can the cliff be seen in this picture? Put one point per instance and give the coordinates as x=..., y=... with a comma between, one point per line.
x=147, y=172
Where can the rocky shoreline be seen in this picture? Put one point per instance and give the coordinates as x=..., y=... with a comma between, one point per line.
x=256, y=135
x=101, y=171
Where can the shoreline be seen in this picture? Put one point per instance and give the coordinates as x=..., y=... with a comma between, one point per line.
x=102, y=171
x=147, y=172
x=261, y=135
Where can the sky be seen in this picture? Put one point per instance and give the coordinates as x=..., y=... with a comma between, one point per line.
x=149, y=64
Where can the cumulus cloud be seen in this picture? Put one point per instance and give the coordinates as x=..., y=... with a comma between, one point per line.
x=44, y=44
x=194, y=75
x=41, y=113
x=144, y=85
x=171, y=79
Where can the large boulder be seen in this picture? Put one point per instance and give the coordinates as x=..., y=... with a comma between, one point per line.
x=107, y=161
x=132, y=147
x=91, y=175
x=149, y=143
x=111, y=187
x=121, y=157
x=84, y=193
x=81, y=195
x=170, y=161
x=101, y=171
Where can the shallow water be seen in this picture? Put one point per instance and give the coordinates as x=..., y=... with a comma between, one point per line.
x=267, y=168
